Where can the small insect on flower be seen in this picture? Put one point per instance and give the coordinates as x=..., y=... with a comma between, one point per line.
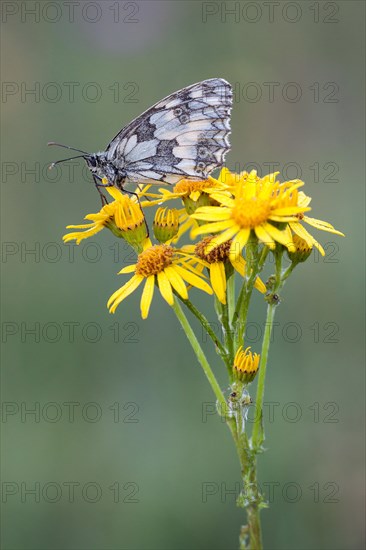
x=184, y=135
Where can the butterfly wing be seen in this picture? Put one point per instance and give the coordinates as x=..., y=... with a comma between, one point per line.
x=184, y=135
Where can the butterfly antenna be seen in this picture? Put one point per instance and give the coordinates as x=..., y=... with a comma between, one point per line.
x=64, y=160
x=67, y=147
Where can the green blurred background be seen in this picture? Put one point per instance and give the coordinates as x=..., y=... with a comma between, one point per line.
x=142, y=417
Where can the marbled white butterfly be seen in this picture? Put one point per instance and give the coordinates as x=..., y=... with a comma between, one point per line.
x=184, y=135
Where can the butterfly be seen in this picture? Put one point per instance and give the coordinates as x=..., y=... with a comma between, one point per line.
x=183, y=136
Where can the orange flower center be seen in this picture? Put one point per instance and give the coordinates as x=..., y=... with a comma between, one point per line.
x=251, y=212
x=154, y=260
x=218, y=254
x=186, y=187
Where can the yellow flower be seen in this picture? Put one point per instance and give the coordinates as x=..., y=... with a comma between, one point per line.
x=302, y=252
x=246, y=364
x=123, y=217
x=256, y=203
x=166, y=224
x=192, y=193
x=300, y=230
x=164, y=265
x=216, y=260
x=231, y=179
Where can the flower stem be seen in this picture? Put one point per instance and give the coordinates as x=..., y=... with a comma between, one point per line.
x=223, y=317
x=200, y=355
x=207, y=327
x=258, y=429
x=255, y=262
x=230, y=293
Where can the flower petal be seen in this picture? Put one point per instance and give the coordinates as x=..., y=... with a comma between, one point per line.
x=147, y=296
x=213, y=227
x=303, y=200
x=259, y=285
x=264, y=237
x=323, y=226
x=176, y=281
x=238, y=263
x=193, y=279
x=223, y=198
x=221, y=238
x=194, y=264
x=81, y=226
x=239, y=241
x=282, y=237
x=214, y=213
x=123, y=292
x=165, y=288
x=79, y=236
x=289, y=210
x=304, y=234
x=195, y=195
x=127, y=269
x=218, y=280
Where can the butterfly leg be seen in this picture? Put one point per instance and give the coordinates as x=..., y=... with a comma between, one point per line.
x=140, y=187
x=99, y=185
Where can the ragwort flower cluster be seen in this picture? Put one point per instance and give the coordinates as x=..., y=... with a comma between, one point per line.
x=226, y=213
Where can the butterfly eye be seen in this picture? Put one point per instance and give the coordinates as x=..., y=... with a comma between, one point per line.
x=92, y=162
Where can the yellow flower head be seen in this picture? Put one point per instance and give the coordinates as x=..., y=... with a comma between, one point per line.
x=302, y=252
x=192, y=193
x=166, y=224
x=123, y=217
x=246, y=365
x=257, y=205
x=216, y=261
x=170, y=268
x=299, y=230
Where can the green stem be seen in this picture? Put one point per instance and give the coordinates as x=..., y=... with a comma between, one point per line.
x=255, y=263
x=207, y=327
x=263, y=257
x=230, y=278
x=223, y=317
x=243, y=308
x=200, y=355
x=258, y=429
x=250, y=498
x=254, y=500
x=221, y=402
x=288, y=272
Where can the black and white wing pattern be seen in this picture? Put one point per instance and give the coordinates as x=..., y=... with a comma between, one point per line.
x=184, y=135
